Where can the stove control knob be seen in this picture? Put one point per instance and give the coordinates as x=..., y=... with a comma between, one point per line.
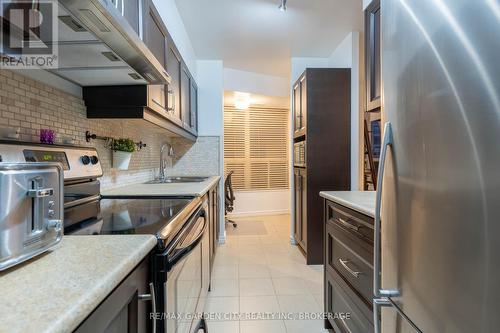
x=85, y=159
x=94, y=159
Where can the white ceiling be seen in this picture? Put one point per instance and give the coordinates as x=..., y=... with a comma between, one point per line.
x=253, y=35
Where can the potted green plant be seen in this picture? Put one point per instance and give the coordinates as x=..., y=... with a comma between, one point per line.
x=122, y=153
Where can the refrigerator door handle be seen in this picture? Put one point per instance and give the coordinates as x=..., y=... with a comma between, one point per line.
x=378, y=304
x=377, y=284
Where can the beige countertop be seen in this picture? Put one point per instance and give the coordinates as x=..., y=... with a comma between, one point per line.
x=56, y=291
x=171, y=189
x=360, y=201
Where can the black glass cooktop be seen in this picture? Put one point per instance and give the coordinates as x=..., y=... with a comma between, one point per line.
x=131, y=216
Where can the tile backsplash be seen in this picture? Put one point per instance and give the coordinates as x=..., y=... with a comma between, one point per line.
x=31, y=105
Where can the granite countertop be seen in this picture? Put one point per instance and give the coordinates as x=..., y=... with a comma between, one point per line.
x=170, y=189
x=360, y=201
x=56, y=291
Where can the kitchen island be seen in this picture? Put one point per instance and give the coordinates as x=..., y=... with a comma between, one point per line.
x=360, y=201
x=348, y=246
x=58, y=290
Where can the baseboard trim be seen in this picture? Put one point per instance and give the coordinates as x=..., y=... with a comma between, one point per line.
x=260, y=213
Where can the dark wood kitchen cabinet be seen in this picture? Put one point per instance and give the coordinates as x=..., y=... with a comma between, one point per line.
x=300, y=200
x=194, y=107
x=127, y=308
x=348, y=263
x=324, y=140
x=174, y=68
x=373, y=56
x=300, y=106
x=185, y=98
x=131, y=12
x=173, y=107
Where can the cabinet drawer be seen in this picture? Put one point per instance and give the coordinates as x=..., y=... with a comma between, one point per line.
x=343, y=257
x=351, y=221
x=347, y=313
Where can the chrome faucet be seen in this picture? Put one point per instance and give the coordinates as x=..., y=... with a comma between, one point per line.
x=163, y=165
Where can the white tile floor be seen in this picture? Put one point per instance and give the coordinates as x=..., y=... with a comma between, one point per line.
x=258, y=271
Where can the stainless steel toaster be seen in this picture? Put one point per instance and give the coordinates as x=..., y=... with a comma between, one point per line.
x=31, y=210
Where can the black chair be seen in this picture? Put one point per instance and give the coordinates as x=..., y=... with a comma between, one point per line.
x=229, y=198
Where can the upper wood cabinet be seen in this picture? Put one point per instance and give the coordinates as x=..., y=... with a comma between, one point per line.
x=155, y=33
x=194, y=107
x=185, y=97
x=300, y=107
x=373, y=56
x=174, y=64
x=131, y=12
x=173, y=106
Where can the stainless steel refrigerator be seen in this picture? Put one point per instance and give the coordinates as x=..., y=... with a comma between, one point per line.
x=438, y=269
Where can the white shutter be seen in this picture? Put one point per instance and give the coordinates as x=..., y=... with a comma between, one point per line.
x=256, y=147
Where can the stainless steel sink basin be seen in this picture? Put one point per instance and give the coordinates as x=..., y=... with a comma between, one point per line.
x=171, y=180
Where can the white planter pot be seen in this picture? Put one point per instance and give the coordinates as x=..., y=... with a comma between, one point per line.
x=121, y=160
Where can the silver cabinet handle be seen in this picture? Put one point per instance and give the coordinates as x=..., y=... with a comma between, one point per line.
x=171, y=108
x=150, y=297
x=347, y=224
x=344, y=263
x=377, y=284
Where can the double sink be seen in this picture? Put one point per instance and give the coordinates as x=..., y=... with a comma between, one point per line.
x=173, y=180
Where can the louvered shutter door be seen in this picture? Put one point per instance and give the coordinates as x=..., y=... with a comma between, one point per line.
x=256, y=147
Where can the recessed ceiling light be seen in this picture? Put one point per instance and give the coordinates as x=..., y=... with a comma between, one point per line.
x=282, y=7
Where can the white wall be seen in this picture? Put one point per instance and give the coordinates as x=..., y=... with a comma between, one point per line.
x=299, y=65
x=210, y=97
x=210, y=115
x=346, y=55
x=255, y=83
x=173, y=21
x=261, y=203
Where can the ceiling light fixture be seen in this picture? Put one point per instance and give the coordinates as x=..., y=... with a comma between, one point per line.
x=241, y=100
x=282, y=7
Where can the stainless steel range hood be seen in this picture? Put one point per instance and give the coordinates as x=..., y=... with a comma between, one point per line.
x=98, y=45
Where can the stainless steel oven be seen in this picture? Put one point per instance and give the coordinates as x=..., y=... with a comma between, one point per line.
x=299, y=154
x=187, y=284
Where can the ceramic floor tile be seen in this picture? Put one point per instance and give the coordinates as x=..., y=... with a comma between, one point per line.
x=225, y=272
x=269, y=276
x=298, y=304
x=223, y=326
x=262, y=326
x=256, y=287
x=217, y=307
x=224, y=288
x=259, y=304
x=290, y=286
x=251, y=270
x=305, y=326
x=319, y=298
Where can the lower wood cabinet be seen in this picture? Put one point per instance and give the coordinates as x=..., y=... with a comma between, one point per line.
x=347, y=314
x=127, y=308
x=300, y=203
x=348, y=246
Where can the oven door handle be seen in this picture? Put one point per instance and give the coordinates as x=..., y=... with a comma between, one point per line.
x=179, y=254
